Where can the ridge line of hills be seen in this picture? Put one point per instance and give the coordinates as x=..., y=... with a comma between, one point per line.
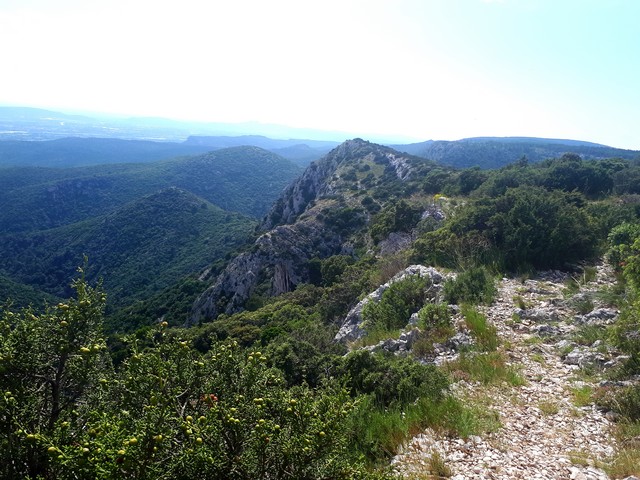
x=54, y=139
x=483, y=152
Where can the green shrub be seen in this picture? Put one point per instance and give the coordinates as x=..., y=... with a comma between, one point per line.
x=391, y=380
x=396, y=305
x=168, y=412
x=620, y=239
x=379, y=431
x=628, y=403
x=434, y=316
x=398, y=217
x=434, y=320
x=486, y=368
x=474, y=286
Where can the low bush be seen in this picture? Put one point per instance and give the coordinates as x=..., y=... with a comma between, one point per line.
x=391, y=380
x=475, y=285
x=396, y=305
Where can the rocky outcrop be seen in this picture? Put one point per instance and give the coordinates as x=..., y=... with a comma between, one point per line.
x=319, y=179
x=300, y=227
x=598, y=316
x=353, y=326
x=399, y=346
x=278, y=257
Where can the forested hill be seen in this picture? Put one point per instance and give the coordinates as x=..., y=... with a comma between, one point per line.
x=495, y=152
x=386, y=296
x=139, y=249
x=364, y=197
x=77, y=152
x=300, y=151
x=325, y=212
x=144, y=226
x=241, y=179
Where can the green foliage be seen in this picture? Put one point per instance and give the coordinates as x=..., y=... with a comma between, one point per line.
x=51, y=366
x=487, y=368
x=485, y=334
x=20, y=295
x=434, y=316
x=391, y=380
x=582, y=396
x=624, y=253
x=327, y=271
x=344, y=220
x=379, y=432
x=467, y=181
x=571, y=173
x=628, y=403
x=626, y=334
x=300, y=361
x=355, y=281
x=396, y=305
x=435, y=180
x=397, y=217
x=474, y=286
x=168, y=412
x=240, y=179
x=434, y=320
x=527, y=226
x=144, y=247
x=173, y=305
x=493, y=153
x=623, y=247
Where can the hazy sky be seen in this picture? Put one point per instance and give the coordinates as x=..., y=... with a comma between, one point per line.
x=440, y=69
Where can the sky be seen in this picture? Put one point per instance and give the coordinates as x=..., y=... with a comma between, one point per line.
x=416, y=69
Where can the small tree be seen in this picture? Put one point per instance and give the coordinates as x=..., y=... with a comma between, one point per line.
x=48, y=364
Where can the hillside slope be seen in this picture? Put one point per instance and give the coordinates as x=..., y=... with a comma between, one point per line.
x=241, y=179
x=300, y=151
x=547, y=424
x=76, y=152
x=139, y=249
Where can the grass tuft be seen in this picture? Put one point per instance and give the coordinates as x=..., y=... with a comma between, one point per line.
x=582, y=396
x=487, y=368
x=549, y=407
x=485, y=334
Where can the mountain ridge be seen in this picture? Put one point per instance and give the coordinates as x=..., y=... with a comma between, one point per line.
x=496, y=152
x=314, y=217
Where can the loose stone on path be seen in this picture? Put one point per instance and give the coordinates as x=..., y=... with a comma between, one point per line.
x=543, y=434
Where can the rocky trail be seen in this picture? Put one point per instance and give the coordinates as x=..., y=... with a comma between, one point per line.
x=546, y=431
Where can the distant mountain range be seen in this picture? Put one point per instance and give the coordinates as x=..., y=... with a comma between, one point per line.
x=495, y=152
x=241, y=179
x=301, y=151
x=103, y=139
x=23, y=123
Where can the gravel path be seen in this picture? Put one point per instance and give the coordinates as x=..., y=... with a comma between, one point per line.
x=543, y=434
